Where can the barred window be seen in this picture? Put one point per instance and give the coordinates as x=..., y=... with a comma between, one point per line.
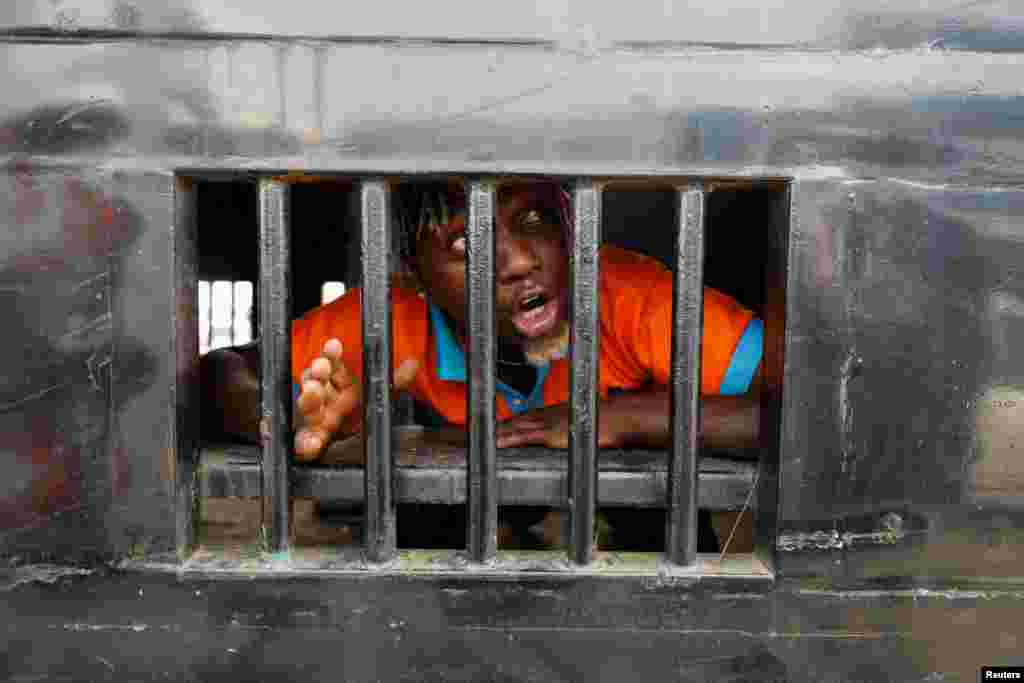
x=346, y=515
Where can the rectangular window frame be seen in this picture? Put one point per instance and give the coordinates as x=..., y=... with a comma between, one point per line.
x=481, y=478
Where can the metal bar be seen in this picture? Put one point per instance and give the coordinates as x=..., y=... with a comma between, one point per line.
x=528, y=476
x=688, y=317
x=376, y=311
x=275, y=359
x=185, y=425
x=583, y=389
x=482, y=480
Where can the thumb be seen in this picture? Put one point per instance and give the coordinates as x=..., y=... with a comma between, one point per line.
x=406, y=373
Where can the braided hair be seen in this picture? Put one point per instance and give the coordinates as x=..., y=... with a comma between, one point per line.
x=420, y=206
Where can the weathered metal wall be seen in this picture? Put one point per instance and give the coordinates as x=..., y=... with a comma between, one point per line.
x=902, y=131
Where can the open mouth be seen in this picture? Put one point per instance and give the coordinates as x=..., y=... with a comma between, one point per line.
x=536, y=315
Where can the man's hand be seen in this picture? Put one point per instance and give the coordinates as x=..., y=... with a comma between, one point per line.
x=549, y=427
x=329, y=398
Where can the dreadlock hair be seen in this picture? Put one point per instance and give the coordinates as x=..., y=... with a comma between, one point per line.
x=427, y=205
x=420, y=206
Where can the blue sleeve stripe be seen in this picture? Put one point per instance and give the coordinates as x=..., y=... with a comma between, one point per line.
x=745, y=360
x=295, y=392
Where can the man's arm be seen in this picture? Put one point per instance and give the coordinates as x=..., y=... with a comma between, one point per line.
x=727, y=423
x=328, y=398
x=641, y=419
x=230, y=393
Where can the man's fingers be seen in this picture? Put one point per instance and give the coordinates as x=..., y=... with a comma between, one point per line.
x=329, y=396
x=321, y=369
x=311, y=399
x=333, y=349
x=309, y=443
x=406, y=373
x=339, y=374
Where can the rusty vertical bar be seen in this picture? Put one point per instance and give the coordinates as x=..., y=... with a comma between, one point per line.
x=380, y=531
x=482, y=477
x=275, y=359
x=687, y=316
x=186, y=341
x=583, y=388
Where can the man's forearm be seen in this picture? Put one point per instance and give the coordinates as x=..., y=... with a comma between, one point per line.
x=230, y=394
x=730, y=423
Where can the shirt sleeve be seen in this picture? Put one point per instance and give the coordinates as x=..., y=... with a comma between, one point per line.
x=730, y=346
x=745, y=360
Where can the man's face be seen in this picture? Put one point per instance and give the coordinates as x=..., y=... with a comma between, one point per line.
x=530, y=271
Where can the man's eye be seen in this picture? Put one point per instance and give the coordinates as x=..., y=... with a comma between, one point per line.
x=458, y=244
x=538, y=221
x=532, y=218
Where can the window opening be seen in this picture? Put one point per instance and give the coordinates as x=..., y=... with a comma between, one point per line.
x=225, y=314
x=688, y=223
x=331, y=291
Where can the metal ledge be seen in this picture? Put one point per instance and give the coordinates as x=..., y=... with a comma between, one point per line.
x=743, y=573
x=432, y=470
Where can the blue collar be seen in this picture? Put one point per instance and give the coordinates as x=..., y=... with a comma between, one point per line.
x=451, y=366
x=451, y=360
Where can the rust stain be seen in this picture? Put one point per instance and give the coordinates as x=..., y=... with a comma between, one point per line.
x=168, y=465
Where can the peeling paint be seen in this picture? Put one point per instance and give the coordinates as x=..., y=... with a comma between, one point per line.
x=78, y=626
x=38, y=573
x=835, y=540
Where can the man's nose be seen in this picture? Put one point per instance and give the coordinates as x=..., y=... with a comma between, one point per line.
x=515, y=258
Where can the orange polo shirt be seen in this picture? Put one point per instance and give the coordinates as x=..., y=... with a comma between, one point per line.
x=636, y=341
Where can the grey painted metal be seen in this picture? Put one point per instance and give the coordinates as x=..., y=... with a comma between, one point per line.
x=380, y=533
x=688, y=318
x=584, y=390
x=526, y=476
x=186, y=345
x=646, y=24
x=777, y=284
x=544, y=629
x=482, y=475
x=275, y=357
x=898, y=412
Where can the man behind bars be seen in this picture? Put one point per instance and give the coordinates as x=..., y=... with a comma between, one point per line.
x=532, y=232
